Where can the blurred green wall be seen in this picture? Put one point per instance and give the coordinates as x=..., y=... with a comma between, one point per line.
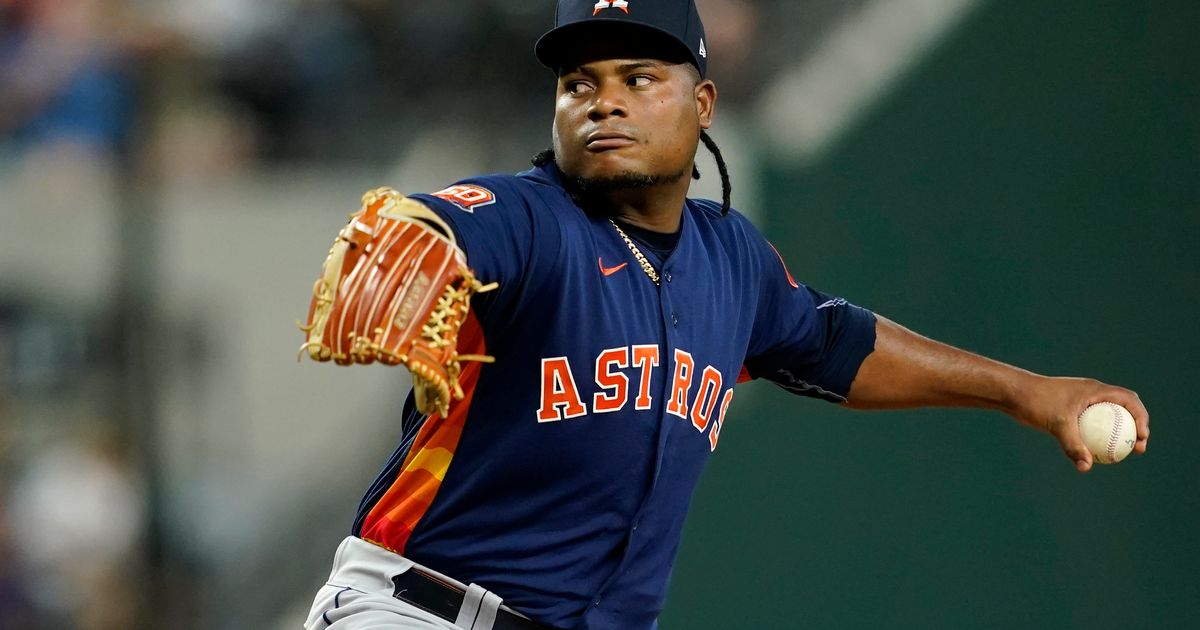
x=1030, y=192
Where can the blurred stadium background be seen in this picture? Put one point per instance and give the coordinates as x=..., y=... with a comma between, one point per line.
x=1018, y=177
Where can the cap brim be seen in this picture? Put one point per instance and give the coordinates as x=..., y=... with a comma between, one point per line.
x=558, y=44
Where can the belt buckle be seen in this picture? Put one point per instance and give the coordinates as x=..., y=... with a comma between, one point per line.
x=443, y=599
x=429, y=593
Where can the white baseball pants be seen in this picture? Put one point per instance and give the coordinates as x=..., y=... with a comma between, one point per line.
x=359, y=595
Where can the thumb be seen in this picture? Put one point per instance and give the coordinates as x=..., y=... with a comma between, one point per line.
x=1074, y=448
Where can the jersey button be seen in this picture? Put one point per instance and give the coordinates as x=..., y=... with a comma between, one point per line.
x=667, y=276
x=674, y=320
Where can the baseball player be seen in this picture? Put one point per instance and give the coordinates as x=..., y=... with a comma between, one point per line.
x=575, y=333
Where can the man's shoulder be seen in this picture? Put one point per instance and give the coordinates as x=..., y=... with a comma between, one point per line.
x=729, y=224
x=529, y=179
x=504, y=188
x=495, y=190
x=736, y=233
x=545, y=176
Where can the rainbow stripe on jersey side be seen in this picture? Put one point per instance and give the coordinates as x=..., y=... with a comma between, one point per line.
x=392, y=519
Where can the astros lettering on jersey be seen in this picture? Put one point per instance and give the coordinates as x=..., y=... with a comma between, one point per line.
x=561, y=481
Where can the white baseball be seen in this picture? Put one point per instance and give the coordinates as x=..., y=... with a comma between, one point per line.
x=1108, y=431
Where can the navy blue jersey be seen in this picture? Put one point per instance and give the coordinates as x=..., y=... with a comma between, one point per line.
x=561, y=481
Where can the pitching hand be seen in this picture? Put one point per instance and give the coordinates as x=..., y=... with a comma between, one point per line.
x=1053, y=404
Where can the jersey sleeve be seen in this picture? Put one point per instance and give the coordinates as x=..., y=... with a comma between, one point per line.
x=807, y=342
x=494, y=222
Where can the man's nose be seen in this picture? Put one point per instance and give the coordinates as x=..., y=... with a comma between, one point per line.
x=609, y=101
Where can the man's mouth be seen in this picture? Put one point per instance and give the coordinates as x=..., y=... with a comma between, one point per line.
x=607, y=140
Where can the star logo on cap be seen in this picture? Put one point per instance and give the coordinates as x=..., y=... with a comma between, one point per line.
x=611, y=4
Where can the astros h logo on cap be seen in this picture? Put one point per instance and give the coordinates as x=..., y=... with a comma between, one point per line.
x=614, y=4
x=674, y=23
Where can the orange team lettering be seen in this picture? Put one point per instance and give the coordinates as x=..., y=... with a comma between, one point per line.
x=680, y=384
x=644, y=357
x=706, y=398
x=616, y=383
x=715, y=434
x=560, y=397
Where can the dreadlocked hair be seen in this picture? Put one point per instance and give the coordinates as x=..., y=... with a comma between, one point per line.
x=545, y=157
x=726, y=188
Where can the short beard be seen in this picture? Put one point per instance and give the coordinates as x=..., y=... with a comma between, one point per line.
x=582, y=187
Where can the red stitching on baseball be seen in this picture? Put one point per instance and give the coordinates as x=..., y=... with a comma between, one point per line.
x=1118, y=418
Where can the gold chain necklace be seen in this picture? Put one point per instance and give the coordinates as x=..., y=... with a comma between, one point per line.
x=637, y=253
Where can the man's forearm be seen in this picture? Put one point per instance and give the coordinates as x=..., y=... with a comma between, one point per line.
x=909, y=370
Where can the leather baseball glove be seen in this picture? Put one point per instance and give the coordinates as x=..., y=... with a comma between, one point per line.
x=395, y=288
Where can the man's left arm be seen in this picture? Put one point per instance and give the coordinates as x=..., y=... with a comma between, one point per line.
x=908, y=370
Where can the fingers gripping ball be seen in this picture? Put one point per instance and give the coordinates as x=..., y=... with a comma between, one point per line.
x=395, y=288
x=1108, y=431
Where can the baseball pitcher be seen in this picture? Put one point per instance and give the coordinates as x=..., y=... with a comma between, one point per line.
x=575, y=334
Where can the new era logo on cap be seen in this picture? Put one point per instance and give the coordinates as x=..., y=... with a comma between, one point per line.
x=610, y=4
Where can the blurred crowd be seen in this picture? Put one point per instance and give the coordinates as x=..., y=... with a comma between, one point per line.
x=292, y=79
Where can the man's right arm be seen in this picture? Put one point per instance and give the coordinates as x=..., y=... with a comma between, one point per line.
x=908, y=370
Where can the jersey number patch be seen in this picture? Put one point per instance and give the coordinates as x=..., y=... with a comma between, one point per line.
x=467, y=196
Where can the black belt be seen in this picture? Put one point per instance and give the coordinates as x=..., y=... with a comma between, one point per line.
x=442, y=599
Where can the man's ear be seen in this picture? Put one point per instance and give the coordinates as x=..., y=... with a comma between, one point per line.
x=706, y=102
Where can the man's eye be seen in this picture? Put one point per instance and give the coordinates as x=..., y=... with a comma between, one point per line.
x=576, y=87
x=639, y=81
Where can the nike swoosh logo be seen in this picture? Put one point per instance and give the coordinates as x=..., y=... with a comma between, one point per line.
x=608, y=271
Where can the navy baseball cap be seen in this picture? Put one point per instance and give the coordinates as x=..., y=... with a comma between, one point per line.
x=675, y=23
